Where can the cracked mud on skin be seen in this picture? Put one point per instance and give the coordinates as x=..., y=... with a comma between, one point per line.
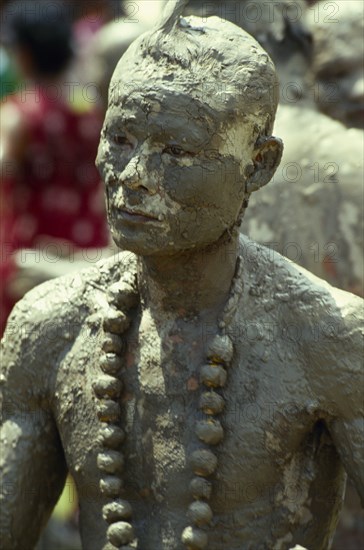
x=138, y=329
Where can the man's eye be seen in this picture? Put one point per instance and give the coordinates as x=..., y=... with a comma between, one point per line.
x=177, y=151
x=121, y=140
x=174, y=150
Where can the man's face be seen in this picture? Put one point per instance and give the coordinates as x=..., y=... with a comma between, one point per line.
x=174, y=175
x=338, y=65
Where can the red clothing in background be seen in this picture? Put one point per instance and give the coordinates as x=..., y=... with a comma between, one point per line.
x=55, y=191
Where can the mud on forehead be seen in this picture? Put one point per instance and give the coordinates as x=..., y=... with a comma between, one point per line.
x=179, y=114
x=213, y=95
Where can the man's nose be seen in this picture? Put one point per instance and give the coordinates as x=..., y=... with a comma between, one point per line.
x=131, y=175
x=135, y=175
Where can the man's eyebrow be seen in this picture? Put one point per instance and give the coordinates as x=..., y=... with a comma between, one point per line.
x=167, y=125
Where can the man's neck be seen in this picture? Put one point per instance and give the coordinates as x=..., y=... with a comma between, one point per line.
x=192, y=284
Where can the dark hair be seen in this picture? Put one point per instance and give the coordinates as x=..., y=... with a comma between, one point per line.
x=44, y=29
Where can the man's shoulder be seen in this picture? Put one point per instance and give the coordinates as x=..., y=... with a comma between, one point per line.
x=46, y=323
x=279, y=280
x=321, y=324
x=50, y=310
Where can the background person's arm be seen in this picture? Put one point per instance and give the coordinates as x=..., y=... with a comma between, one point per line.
x=13, y=137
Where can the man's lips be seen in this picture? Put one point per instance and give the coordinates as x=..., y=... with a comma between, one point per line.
x=132, y=215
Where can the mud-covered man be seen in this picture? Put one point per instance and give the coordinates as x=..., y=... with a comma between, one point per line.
x=202, y=392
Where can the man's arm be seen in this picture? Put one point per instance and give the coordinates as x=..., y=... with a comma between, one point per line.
x=32, y=464
x=342, y=384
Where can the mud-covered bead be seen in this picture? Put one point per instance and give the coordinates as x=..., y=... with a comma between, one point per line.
x=110, y=462
x=116, y=322
x=110, y=363
x=199, y=513
x=120, y=533
x=200, y=488
x=203, y=462
x=116, y=510
x=107, y=386
x=220, y=350
x=123, y=294
x=108, y=410
x=213, y=376
x=112, y=343
x=194, y=538
x=111, y=486
x=209, y=431
x=111, y=436
x=211, y=403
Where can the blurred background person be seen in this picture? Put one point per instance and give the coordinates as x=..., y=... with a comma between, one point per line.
x=111, y=41
x=88, y=18
x=337, y=30
x=49, y=137
x=8, y=75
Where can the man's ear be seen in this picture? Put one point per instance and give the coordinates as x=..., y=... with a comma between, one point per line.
x=267, y=156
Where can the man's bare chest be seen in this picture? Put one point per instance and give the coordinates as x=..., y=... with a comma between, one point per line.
x=262, y=426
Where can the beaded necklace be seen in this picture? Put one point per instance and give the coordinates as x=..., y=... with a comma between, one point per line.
x=209, y=431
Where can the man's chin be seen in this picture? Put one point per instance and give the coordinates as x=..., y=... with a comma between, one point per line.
x=148, y=241
x=143, y=246
x=163, y=250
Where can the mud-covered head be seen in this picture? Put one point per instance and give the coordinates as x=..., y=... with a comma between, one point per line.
x=187, y=135
x=212, y=61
